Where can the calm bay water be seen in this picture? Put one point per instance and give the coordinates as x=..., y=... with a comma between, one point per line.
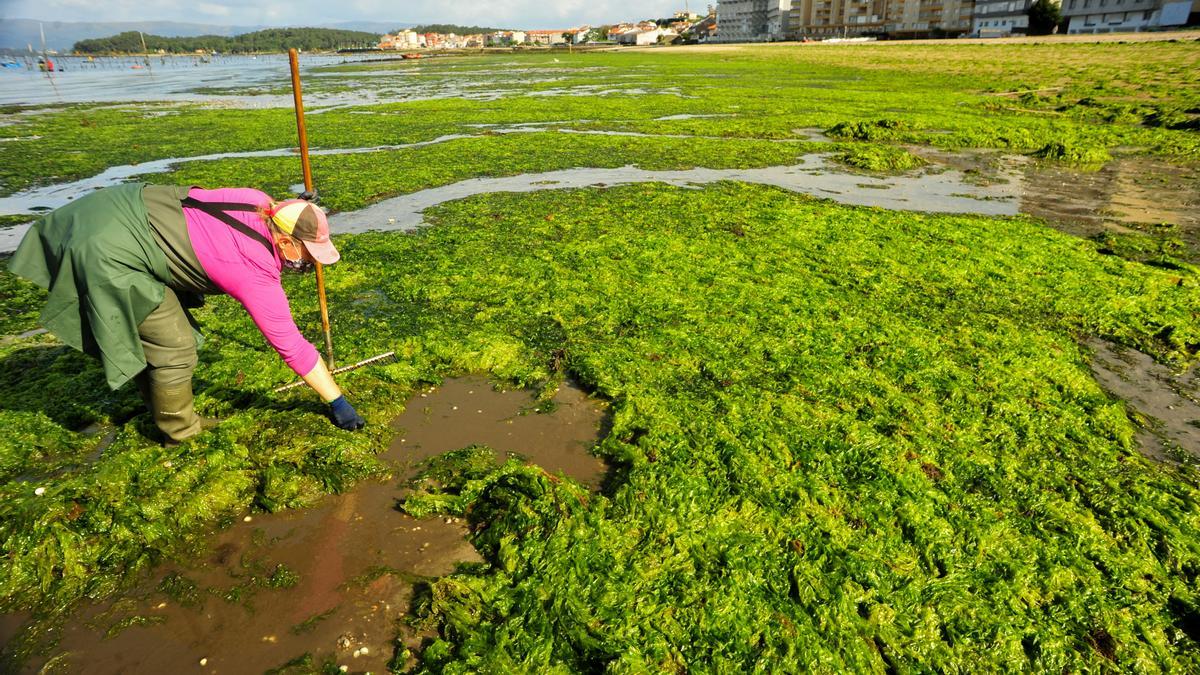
x=160, y=78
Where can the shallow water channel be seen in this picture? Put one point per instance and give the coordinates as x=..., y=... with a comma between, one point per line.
x=1128, y=193
x=816, y=175
x=355, y=556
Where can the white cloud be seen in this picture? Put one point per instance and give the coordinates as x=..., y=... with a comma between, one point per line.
x=213, y=10
x=506, y=13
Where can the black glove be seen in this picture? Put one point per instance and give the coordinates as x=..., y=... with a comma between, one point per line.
x=344, y=415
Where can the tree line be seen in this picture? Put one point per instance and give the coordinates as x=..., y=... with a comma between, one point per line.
x=270, y=40
x=446, y=28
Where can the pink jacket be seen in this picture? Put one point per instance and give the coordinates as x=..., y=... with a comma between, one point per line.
x=246, y=270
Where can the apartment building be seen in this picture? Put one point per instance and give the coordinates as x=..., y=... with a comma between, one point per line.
x=405, y=39
x=744, y=20
x=1000, y=18
x=1105, y=16
x=829, y=18
x=923, y=18
x=757, y=20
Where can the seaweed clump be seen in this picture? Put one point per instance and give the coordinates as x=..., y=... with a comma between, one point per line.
x=877, y=487
x=874, y=130
x=1175, y=118
x=1069, y=153
x=1159, y=250
x=879, y=158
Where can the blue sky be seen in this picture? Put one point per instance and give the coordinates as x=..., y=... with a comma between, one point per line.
x=506, y=13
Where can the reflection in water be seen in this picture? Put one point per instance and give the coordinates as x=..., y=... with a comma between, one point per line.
x=40, y=199
x=946, y=191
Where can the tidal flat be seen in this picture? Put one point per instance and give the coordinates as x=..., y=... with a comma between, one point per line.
x=839, y=438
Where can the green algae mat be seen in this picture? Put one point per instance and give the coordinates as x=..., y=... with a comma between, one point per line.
x=843, y=439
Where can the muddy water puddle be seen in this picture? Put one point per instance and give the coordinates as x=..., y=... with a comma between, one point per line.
x=1165, y=403
x=334, y=580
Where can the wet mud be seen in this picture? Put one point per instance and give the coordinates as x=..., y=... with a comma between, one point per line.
x=347, y=566
x=1166, y=404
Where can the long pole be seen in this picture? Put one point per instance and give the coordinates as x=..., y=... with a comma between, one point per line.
x=146, y=52
x=45, y=57
x=47, y=63
x=294, y=58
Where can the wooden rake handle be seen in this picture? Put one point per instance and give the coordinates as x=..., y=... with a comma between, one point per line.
x=294, y=59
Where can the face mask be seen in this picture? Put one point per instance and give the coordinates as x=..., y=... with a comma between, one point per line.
x=297, y=266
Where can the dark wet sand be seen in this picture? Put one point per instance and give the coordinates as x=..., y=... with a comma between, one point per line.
x=1127, y=194
x=333, y=548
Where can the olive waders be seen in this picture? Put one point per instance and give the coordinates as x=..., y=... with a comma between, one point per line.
x=166, y=383
x=119, y=268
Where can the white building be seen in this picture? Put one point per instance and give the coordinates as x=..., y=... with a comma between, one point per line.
x=778, y=12
x=405, y=39
x=640, y=36
x=1000, y=18
x=1106, y=16
x=579, y=35
x=505, y=38
x=644, y=33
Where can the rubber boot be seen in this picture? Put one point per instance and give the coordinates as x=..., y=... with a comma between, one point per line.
x=142, y=380
x=171, y=407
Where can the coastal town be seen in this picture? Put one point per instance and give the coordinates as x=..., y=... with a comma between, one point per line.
x=683, y=26
x=808, y=20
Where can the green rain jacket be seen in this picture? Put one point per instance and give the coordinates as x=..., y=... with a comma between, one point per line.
x=105, y=273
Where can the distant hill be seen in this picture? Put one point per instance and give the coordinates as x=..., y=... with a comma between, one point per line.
x=61, y=35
